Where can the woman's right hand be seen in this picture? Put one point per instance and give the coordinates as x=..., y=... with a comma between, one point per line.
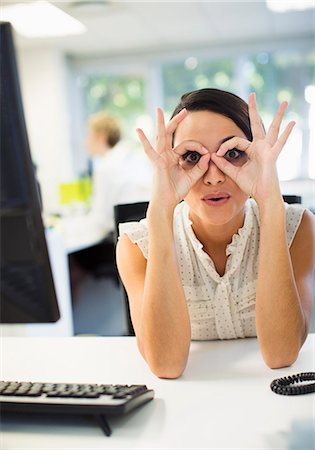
x=173, y=176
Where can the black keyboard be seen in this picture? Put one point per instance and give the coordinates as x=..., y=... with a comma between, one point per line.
x=99, y=400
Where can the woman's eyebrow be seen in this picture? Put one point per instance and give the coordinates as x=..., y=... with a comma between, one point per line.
x=226, y=139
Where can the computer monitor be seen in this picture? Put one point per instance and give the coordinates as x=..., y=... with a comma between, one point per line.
x=27, y=287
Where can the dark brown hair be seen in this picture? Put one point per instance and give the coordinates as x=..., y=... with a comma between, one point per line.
x=221, y=102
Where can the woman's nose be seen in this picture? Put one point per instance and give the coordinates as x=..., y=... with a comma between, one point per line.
x=213, y=175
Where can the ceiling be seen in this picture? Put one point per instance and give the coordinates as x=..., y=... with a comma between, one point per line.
x=127, y=27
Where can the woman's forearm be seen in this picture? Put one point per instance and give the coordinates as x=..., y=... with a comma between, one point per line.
x=164, y=320
x=280, y=321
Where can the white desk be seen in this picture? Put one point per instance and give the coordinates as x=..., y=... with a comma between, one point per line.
x=223, y=400
x=78, y=234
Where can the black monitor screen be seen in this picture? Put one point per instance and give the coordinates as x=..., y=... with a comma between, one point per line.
x=27, y=288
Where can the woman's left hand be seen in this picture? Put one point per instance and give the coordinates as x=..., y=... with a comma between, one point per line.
x=257, y=177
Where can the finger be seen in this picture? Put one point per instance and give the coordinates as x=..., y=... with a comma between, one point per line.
x=235, y=142
x=273, y=131
x=150, y=152
x=283, y=137
x=192, y=146
x=254, y=117
x=225, y=166
x=172, y=125
x=160, y=136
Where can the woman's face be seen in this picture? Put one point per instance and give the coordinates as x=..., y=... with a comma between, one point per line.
x=215, y=198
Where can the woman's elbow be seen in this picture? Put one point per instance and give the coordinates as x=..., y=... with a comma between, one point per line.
x=169, y=373
x=164, y=365
x=169, y=368
x=280, y=361
x=282, y=355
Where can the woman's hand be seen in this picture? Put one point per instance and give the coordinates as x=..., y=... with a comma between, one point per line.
x=257, y=177
x=172, y=179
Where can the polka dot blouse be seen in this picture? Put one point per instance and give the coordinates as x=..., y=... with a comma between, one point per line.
x=220, y=307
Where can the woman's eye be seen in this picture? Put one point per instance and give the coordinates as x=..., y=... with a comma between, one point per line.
x=233, y=154
x=236, y=156
x=191, y=157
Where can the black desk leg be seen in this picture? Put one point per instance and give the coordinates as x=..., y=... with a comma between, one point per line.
x=101, y=420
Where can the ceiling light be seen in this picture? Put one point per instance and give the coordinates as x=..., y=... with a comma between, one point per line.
x=289, y=5
x=41, y=19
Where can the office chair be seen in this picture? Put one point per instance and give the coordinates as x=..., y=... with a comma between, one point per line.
x=292, y=198
x=98, y=259
x=128, y=212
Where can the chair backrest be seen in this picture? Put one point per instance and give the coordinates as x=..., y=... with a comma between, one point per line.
x=292, y=198
x=129, y=212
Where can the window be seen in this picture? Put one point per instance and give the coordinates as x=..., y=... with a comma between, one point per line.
x=275, y=77
x=192, y=74
x=122, y=95
x=286, y=75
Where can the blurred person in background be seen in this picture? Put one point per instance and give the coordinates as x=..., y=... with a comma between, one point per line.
x=120, y=173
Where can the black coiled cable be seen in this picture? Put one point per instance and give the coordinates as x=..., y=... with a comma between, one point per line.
x=288, y=385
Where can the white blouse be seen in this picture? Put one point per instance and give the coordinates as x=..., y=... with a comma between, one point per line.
x=220, y=307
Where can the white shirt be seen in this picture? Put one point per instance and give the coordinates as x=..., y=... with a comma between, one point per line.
x=220, y=307
x=122, y=175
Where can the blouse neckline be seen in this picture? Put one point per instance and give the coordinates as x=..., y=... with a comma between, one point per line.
x=234, y=250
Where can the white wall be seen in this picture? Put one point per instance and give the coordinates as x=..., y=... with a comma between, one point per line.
x=43, y=78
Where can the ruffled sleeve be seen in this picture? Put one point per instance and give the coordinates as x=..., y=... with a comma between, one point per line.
x=137, y=233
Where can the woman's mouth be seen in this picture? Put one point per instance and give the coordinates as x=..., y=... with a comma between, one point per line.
x=216, y=198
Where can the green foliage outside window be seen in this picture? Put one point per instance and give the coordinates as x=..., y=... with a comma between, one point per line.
x=122, y=95
x=280, y=76
x=190, y=74
x=274, y=76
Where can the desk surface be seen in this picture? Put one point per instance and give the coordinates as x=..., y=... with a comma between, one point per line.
x=223, y=400
x=75, y=243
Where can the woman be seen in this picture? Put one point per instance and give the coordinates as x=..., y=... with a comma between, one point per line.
x=232, y=260
x=113, y=181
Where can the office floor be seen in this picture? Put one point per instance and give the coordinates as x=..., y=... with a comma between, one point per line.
x=99, y=308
